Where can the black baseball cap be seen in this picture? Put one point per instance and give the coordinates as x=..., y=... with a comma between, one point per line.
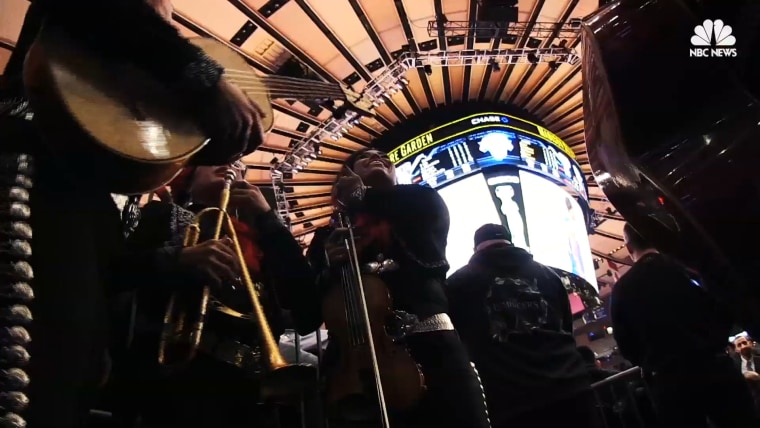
x=492, y=232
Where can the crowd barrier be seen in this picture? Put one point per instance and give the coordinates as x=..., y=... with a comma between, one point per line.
x=624, y=401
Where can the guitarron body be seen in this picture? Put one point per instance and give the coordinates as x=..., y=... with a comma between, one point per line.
x=351, y=386
x=113, y=121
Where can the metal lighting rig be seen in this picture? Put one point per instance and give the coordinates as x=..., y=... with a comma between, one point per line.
x=390, y=81
x=569, y=30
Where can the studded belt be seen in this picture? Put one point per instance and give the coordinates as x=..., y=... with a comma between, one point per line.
x=438, y=322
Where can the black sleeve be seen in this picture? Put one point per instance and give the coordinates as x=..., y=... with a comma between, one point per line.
x=419, y=218
x=622, y=329
x=147, y=261
x=457, y=308
x=284, y=262
x=131, y=30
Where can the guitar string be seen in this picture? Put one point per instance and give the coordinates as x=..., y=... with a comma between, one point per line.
x=289, y=92
x=279, y=79
x=257, y=83
x=275, y=78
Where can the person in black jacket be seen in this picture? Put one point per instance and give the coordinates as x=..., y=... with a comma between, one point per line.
x=513, y=314
x=77, y=230
x=220, y=386
x=659, y=300
x=410, y=226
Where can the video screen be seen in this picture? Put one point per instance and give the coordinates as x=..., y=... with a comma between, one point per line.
x=470, y=206
x=542, y=217
x=556, y=227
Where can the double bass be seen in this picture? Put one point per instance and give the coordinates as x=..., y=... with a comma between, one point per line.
x=371, y=363
x=672, y=132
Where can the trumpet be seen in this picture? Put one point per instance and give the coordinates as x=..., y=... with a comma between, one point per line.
x=186, y=313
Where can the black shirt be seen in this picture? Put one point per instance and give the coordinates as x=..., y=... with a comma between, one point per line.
x=150, y=263
x=663, y=316
x=513, y=314
x=419, y=221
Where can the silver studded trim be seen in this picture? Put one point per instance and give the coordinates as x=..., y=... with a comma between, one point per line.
x=483, y=391
x=16, y=291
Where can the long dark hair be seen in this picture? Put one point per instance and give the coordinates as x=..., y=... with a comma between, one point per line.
x=348, y=163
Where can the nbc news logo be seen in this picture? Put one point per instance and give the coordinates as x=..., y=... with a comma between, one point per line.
x=714, y=34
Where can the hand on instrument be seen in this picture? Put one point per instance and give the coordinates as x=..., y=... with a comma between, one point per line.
x=349, y=189
x=213, y=260
x=248, y=199
x=752, y=376
x=231, y=121
x=335, y=247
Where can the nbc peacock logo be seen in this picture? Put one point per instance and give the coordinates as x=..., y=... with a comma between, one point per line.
x=712, y=39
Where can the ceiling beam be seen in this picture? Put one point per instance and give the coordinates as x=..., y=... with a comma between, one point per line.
x=360, y=68
x=520, y=44
x=384, y=55
x=547, y=75
x=547, y=43
x=610, y=258
x=197, y=29
x=564, y=115
x=443, y=45
x=262, y=22
x=609, y=235
x=570, y=76
x=471, y=19
x=6, y=44
x=297, y=136
x=368, y=130
x=409, y=34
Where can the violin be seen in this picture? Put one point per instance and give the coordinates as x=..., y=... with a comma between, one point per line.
x=370, y=363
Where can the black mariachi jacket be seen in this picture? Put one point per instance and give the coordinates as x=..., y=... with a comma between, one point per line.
x=419, y=223
x=150, y=265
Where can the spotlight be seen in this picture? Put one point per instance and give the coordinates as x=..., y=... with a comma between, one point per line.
x=533, y=58
x=428, y=70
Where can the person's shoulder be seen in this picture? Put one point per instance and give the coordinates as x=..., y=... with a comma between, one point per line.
x=458, y=278
x=416, y=189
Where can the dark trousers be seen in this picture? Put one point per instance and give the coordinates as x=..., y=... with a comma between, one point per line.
x=76, y=233
x=454, y=397
x=714, y=389
x=578, y=411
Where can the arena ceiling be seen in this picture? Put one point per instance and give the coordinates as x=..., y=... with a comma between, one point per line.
x=336, y=40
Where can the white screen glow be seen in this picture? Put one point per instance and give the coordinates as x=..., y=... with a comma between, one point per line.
x=556, y=227
x=470, y=206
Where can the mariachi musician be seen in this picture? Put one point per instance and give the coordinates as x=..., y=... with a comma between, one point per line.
x=408, y=225
x=219, y=386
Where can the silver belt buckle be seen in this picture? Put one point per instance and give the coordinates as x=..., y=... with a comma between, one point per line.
x=379, y=266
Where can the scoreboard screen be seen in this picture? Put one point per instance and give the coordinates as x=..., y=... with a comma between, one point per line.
x=480, y=141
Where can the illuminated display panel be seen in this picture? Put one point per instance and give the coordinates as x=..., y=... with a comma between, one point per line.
x=556, y=227
x=481, y=141
x=487, y=172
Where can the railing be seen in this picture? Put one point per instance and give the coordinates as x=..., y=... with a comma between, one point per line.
x=624, y=400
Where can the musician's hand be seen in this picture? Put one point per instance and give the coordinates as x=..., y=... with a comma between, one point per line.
x=248, y=199
x=213, y=260
x=335, y=247
x=752, y=376
x=349, y=189
x=231, y=121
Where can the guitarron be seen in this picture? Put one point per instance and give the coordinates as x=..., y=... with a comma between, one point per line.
x=115, y=122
